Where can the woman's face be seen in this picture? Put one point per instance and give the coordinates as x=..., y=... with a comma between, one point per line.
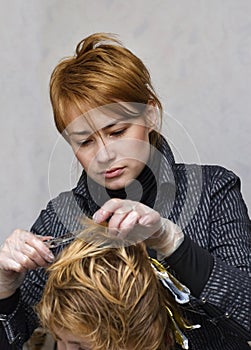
x=113, y=150
x=68, y=341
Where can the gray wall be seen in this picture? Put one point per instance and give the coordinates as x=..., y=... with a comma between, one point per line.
x=199, y=55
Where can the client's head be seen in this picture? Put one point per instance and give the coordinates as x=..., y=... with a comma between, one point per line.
x=102, y=294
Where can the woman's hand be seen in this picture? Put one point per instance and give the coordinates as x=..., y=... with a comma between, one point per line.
x=133, y=219
x=124, y=214
x=21, y=251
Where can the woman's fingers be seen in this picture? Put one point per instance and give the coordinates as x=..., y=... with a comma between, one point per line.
x=130, y=220
x=120, y=206
x=116, y=210
x=151, y=218
x=128, y=224
x=125, y=215
x=115, y=206
x=22, y=250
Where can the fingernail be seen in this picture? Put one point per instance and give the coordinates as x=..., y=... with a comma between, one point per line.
x=95, y=217
x=99, y=215
x=144, y=220
x=50, y=257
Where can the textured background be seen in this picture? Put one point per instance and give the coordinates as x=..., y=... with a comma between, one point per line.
x=199, y=55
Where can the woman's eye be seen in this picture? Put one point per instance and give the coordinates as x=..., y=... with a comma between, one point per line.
x=118, y=132
x=83, y=143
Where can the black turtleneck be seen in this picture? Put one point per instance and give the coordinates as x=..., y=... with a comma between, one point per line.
x=143, y=189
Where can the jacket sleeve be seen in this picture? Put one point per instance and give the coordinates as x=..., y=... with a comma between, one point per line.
x=223, y=264
x=60, y=216
x=229, y=285
x=17, y=317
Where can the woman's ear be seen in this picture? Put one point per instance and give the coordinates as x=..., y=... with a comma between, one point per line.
x=152, y=116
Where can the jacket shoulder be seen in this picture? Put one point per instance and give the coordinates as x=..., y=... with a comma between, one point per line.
x=210, y=174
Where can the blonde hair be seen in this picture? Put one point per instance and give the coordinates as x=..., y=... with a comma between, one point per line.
x=101, y=72
x=107, y=293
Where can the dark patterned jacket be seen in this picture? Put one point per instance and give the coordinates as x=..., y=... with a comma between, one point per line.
x=206, y=202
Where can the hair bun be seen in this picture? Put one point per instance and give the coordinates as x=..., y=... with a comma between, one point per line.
x=96, y=40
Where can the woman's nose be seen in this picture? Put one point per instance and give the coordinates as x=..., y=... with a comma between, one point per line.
x=106, y=152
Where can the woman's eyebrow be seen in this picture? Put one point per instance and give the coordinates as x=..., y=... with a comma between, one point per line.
x=69, y=341
x=82, y=133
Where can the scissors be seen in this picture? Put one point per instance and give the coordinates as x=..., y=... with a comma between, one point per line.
x=64, y=239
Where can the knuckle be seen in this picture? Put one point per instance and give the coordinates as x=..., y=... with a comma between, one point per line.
x=19, y=268
x=116, y=200
x=25, y=261
x=7, y=242
x=157, y=215
x=17, y=231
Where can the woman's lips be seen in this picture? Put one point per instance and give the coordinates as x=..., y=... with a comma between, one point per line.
x=109, y=174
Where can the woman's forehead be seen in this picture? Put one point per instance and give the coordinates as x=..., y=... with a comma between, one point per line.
x=102, y=118
x=114, y=110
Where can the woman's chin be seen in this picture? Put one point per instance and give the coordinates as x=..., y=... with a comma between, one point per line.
x=114, y=185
